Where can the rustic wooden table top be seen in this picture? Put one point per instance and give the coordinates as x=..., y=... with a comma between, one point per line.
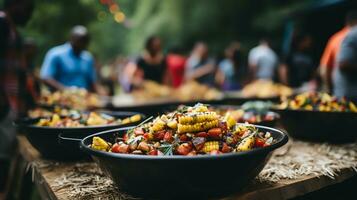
x=45, y=179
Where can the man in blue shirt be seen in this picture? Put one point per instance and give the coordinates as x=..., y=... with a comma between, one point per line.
x=69, y=64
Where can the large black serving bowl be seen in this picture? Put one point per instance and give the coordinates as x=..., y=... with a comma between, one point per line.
x=182, y=176
x=46, y=139
x=333, y=127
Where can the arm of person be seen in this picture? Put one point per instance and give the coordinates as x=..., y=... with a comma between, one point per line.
x=283, y=73
x=220, y=76
x=327, y=62
x=347, y=58
x=201, y=71
x=49, y=70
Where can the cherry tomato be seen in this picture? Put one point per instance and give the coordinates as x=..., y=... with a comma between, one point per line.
x=259, y=142
x=215, y=133
x=146, y=136
x=184, y=138
x=159, y=135
x=226, y=148
x=153, y=152
x=184, y=149
x=202, y=134
x=168, y=137
x=120, y=148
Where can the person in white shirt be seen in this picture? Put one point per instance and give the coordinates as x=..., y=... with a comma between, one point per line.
x=262, y=61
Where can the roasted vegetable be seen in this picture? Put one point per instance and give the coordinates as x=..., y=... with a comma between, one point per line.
x=210, y=146
x=247, y=143
x=191, y=131
x=99, y=144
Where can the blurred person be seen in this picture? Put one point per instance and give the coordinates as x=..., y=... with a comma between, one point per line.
x=262, y=61
x=298, y=66
x=229, y=68
x=345, y=72
x=33, y=81
x=130, y=77
x=152, y=61
x=199, y=66
x=70, y=64
x=176, y=62
x=329, y=56
x=13, y=66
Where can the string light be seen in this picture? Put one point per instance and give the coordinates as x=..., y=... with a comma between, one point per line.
x=119, y=17
x=114, y=9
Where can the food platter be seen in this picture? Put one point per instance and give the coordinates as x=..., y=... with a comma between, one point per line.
x=169, y=173
x=319, y=117
x=45, y=138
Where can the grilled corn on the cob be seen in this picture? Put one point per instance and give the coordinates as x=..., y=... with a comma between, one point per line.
x=211, y=145
x=199, y=117
x=247, y=143
x=203, y=126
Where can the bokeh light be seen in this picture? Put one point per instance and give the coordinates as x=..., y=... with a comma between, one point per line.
x=113, y=8
x=119, y=17
x=101, y=15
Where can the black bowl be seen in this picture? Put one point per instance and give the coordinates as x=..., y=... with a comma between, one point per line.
x=45, y=139
x=319, y=126
x=202, y=176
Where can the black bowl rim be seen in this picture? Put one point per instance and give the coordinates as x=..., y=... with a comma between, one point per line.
x=28, y=125
x=312, y=111
x=283, y=140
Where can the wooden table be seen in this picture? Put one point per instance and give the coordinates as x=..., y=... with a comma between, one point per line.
x=43, y=180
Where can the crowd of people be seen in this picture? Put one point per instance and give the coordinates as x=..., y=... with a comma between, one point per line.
x=70, y=64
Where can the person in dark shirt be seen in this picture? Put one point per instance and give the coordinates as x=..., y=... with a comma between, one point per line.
x=300, y=66
x=152, y=61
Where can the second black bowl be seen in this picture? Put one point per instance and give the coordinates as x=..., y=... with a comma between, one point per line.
x=333, y=127
x=46, y=139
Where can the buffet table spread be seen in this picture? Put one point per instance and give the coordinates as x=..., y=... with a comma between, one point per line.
x=296, y=169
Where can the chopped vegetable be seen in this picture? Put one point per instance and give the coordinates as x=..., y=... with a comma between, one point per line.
x=191, y=131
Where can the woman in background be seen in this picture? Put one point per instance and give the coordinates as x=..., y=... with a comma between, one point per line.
x=152, y=61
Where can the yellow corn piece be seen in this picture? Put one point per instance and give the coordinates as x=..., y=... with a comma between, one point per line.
x=203, y=126
x=308, y=107
x=353, y=107
x=201, y=108
x=55, y=119
x=210, y=145
x=193, y=118
x=157, y=125
x=99, y=144
x=229, y=120
x=43, y=122
x=135, y=118
x=95, y=119
x=247, y=143
x=172, y=124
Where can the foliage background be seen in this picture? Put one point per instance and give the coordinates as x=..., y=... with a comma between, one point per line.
x=178, y=22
